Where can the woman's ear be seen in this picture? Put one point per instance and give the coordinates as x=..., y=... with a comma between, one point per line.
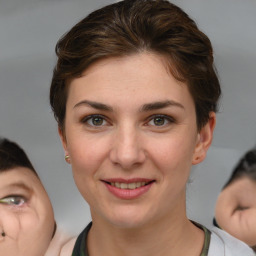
x=63, y=140
x=204, y=140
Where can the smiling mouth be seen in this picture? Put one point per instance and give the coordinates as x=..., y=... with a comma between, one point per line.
x=132, y=185
x=128, y=189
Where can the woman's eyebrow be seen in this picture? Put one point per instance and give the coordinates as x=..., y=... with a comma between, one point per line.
x=160, y=104
x=145, y=107
x=94, y=104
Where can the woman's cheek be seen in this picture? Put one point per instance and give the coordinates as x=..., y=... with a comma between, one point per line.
x=89, y=154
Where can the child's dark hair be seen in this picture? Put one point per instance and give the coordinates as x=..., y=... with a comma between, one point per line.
x=12, y=155
x=245, y=167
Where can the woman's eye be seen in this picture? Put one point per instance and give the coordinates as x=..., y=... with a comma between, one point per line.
x=160, y=121
x=95, y=120
x=13, y=200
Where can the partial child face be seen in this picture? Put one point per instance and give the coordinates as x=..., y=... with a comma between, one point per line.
x=131, y=135
x=236, y=210
x=26, y=214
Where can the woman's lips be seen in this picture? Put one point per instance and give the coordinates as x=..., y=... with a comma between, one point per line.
x=128, y=189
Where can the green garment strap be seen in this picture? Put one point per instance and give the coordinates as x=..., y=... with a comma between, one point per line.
x=81, y=248
x=207, y=239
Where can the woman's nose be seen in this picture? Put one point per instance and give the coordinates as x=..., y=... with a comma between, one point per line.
x=127, y=150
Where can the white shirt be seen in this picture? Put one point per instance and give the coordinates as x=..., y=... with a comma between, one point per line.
x=223, y=244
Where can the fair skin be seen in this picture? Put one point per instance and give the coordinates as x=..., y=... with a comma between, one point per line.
x=26, y=214
x=67, y=248
x=131, y=134
x=236, y=210
x=59, y=244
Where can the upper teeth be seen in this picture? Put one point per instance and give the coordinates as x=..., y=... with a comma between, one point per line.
x=128, y=185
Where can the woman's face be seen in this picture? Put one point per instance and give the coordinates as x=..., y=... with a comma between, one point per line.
x=131, y=135
x=26, y=215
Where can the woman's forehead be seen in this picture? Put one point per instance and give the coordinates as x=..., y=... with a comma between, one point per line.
x=140, y=75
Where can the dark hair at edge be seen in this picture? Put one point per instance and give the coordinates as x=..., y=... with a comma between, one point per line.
x=131, y=27
x=12, y=156
x=246, y=167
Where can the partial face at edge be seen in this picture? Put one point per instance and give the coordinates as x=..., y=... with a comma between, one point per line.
x=128, y=121
x=26, y=214
x=236, y=209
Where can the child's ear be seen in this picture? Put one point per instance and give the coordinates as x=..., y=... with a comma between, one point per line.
x=204, y=140
x=63, y=140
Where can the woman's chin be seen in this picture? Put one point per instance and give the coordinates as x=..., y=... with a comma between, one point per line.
x=129, y=220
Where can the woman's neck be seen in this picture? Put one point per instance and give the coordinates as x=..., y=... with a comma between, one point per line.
x=170, y=236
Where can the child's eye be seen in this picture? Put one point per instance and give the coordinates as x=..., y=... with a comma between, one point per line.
x=160, y=120
x=13, y=200
x=95, y=120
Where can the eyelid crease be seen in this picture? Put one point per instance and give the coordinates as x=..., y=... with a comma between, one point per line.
x=19, y=186
x=86, y=118
x=169, y=118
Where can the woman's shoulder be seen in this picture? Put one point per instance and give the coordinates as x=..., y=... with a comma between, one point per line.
x=224, y=244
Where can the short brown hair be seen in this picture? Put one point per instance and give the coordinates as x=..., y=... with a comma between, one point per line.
x=133, y=26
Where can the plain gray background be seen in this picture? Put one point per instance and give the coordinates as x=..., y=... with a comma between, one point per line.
x=29, y=30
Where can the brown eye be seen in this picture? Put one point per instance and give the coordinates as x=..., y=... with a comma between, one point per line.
x=160, y=120
x=95, y=120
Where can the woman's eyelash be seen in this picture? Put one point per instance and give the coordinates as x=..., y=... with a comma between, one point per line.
x=160, y=120
x=94, y=120
x=97, y=120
